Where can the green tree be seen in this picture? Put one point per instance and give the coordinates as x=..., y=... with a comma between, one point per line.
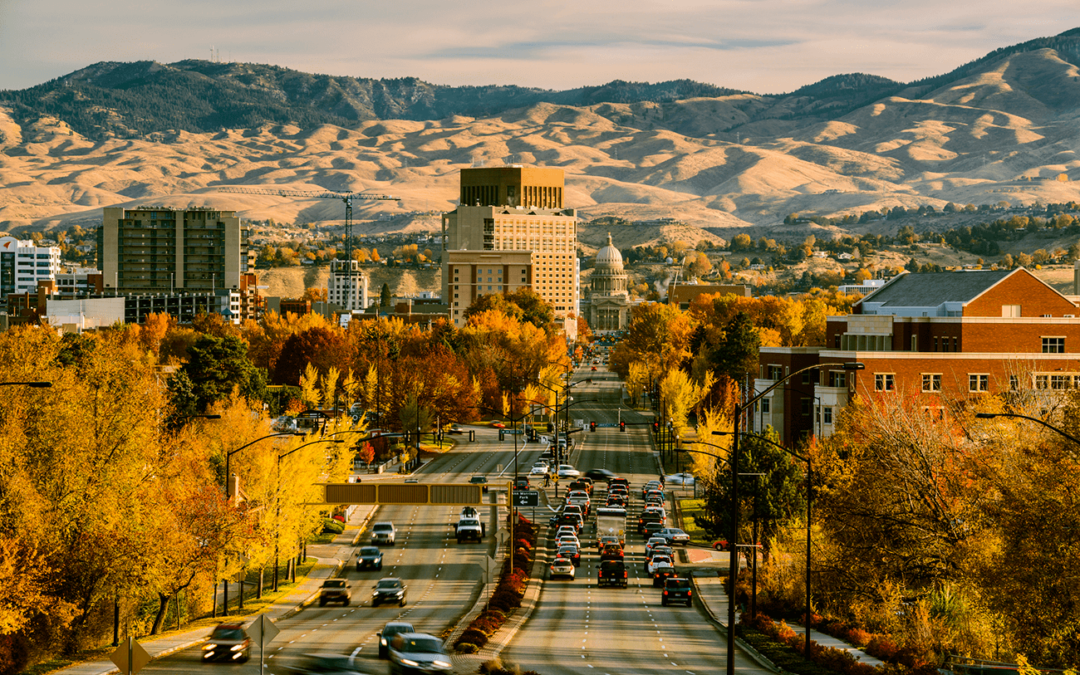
x=216, y=366
x=737, y=354
x=384, y=297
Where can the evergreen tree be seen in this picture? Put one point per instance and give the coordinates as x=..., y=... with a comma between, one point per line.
x=384, y=297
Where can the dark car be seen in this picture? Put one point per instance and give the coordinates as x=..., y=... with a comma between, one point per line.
x=388, y=590
x=612, y=573
x=599, y=474
x=571, y=553
x=616, y=499
x=612, y=552
x=521, y=483
x=677, y=589
x=369, y=557
x=651, y=529
x=580, y=485
x=570, y=519
x=388, y=632
x=327, y=664
x=612, y=482
x=662, y=573
x=649, y=518
x=228, y=642
x=418, y=654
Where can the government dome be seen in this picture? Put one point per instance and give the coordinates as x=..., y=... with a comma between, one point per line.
x=609, y=256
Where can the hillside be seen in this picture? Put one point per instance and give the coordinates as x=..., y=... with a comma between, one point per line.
x=714, y=161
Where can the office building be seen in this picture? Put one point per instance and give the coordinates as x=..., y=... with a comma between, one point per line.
x=469, y=274
x=347, y=286
x=516, y=209
x=23, y=265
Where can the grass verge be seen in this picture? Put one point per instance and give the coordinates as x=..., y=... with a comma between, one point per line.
x=690, y=508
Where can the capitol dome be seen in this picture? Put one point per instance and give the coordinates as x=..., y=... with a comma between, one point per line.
x=609, y=256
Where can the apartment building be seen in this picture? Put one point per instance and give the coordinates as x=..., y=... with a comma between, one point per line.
x=162, y=250
x=932, y=337
x=469, y=274
x=519, y=210
x=23, y=264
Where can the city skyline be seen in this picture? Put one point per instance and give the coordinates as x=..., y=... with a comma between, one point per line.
x=741, y=45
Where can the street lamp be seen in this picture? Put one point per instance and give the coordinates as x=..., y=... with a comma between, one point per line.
x=230, y=453
x=988, y=416
x=277, y=515
x=732, y=575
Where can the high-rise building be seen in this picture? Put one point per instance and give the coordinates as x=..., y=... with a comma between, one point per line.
x=23, y=264
x=162, y=250
x=347, y=286
x=515, y=209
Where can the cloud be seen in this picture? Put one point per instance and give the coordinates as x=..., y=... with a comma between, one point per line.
x=766, y=46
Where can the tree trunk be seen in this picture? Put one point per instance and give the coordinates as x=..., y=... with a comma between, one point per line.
x=259, y=588
x=159, y=618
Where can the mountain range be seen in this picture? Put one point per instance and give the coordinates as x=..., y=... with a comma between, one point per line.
x=718, y=161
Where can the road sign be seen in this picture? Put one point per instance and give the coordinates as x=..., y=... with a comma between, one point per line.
x=130, y=658
x=501, y=536
x=262, y=631
x=526, y=498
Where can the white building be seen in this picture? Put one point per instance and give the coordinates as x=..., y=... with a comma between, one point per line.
x=23, y=265
x=347, y=286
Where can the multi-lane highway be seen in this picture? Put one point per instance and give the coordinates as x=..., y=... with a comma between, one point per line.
x=576, y=628
x=580, y=628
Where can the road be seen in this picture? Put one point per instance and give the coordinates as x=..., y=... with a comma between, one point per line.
x=580, y=628
x=443, y=579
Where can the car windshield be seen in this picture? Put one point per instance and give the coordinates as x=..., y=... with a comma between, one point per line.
x=334, y=583
x=567, y=550
x=424, y=645
x=369, y=550
x=383, y=527
x=678, y=584
x=389, y=584
x=395, y=628
x=230, y=633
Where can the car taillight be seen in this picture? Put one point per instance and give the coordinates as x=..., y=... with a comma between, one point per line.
x=665, y=592
x=689, y=592
x=624, y=575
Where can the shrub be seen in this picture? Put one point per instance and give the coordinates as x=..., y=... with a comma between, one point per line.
x=334, y=526
x=474, y=637
x=466, y=648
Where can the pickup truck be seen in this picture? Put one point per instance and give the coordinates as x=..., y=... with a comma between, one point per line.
x=469, y=527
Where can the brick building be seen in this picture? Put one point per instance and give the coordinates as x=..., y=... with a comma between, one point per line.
x=950, y=335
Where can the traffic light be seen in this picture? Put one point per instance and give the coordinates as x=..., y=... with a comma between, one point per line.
x=592, y=426
x=656, y=428
x=622, y=427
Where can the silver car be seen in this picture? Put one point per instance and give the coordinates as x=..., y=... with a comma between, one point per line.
x=674, y=536
x=418, y=653
x=383, y=533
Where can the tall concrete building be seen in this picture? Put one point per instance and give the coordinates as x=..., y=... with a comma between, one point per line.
x=347, y=286
x=162, y=250
x=513, y=210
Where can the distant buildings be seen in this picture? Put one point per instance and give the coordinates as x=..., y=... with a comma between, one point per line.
x=23, y=265
x=608, y=307
x=347, y=286
x=684, y=294
x=512, y=210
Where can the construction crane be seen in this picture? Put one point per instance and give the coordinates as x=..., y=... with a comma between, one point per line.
x=346, y=197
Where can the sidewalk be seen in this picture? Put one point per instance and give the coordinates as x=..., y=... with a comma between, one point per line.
x=329, y=559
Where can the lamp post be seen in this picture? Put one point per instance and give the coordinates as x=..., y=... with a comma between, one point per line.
x=733, y=572
x=277, y=499
x=230, y=453
x=1051, y=427
x=566, y=406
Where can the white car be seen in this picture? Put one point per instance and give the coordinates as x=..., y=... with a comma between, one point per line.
x=567, y=539
x=568, y=471
x=561, y=567
x=541, y=470
x=568, y=529
x=657, y=561
x=685, y=479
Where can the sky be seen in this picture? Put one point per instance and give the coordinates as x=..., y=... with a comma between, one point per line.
x=764, y=46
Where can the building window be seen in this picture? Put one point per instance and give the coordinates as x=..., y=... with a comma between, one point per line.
x=883, y=382
x=1042, y=382
x=1053, y=345
x=1010, y=311
x=837, y=378
x=978, y=382
x=826, y=415
x=956, y=344
x=914, y=343
x=765, y=405
x=775, y=372
x=806, y=406
x=935, y=343
x=931, y=382
x=1060, y=381
x=1014, y=383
